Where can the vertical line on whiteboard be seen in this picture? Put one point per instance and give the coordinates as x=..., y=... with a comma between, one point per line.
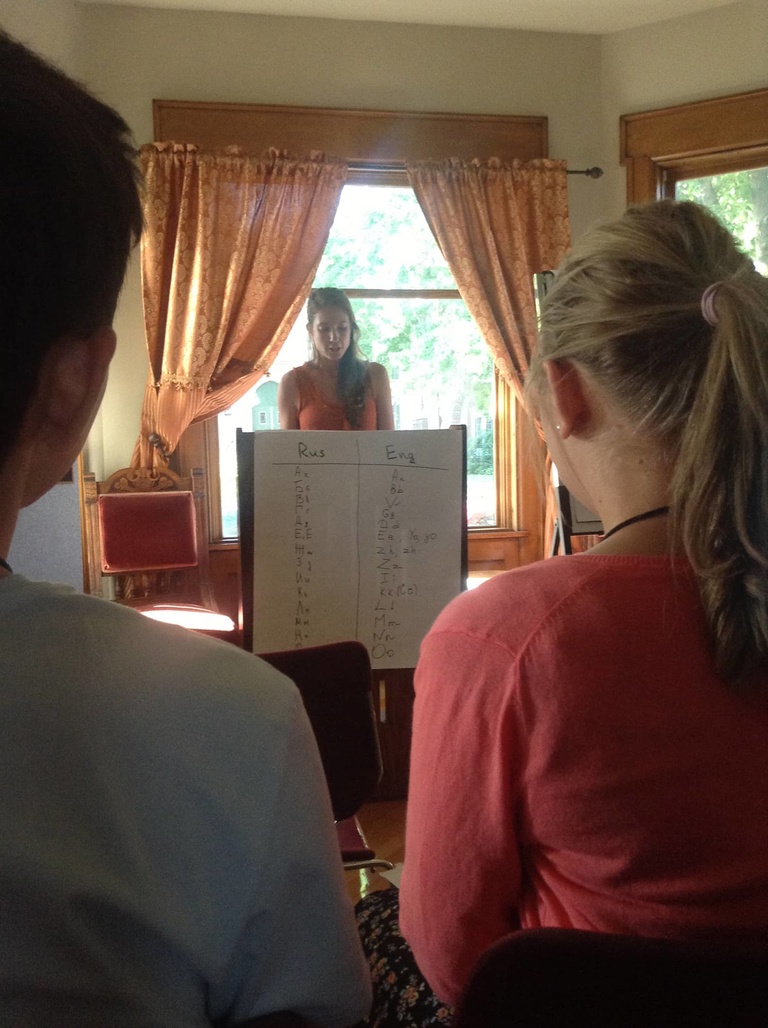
x=357, y=521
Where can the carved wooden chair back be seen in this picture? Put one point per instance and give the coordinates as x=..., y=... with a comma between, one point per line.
x=146, y=537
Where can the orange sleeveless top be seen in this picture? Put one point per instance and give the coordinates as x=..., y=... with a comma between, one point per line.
x=316, y=414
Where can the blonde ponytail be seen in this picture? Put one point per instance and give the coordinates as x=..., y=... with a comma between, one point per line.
x=719, y=492
x=627, y=304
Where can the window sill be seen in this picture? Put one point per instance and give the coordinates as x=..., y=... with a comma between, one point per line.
x=497, y=533
x=475, y=533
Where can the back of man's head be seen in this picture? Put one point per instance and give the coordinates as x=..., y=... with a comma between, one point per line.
x=69, y=217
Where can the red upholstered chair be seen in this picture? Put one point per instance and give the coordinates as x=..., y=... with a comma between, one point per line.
x=562, y=978
x=335, y=684
x=146, y=534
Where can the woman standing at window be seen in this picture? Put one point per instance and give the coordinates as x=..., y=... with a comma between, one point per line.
x=336, y=390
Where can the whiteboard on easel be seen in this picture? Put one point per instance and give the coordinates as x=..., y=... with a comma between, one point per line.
x=355, y=535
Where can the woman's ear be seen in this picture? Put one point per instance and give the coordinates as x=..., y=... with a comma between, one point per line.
x=570, y=397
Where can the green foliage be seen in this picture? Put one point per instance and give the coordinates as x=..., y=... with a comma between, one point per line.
x=438, y=362
x=381, y=240
x=740, y=200
x=431, y=348
x=480, y=454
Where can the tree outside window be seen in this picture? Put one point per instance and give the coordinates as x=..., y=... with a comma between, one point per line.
x=740, y=200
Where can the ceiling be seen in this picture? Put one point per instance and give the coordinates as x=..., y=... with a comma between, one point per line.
x=581, y=16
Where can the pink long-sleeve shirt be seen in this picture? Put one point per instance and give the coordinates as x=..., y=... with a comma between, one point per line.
x=576, y=762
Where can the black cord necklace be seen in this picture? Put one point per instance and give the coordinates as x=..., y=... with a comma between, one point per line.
x=6, y=565
x=657, y=512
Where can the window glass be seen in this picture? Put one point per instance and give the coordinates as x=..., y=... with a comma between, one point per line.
x=255, y=411
x=740, y=201
x=380, y=240
x=439, y=366
x=441, y=374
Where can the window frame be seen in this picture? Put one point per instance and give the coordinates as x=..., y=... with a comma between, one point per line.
x=505, y=421
x=377, y=145
x=660, y=147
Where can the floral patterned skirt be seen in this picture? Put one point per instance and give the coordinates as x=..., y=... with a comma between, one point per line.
x=401, y=996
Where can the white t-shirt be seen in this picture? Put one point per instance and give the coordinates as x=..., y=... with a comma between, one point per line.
x=167, y=855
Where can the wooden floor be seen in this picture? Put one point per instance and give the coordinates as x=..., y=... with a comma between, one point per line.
x=383, y=824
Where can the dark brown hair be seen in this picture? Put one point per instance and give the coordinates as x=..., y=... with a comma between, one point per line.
x=353, y=368
x=69, y=216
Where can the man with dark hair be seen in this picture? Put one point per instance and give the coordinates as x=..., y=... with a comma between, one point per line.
x=167, y=855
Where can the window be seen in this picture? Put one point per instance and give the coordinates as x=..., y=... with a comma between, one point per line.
x=663, y=147
x=740, y=201
x=381, y=252
x=714, y=152
x=377, y=144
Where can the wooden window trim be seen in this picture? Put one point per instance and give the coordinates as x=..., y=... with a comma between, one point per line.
x=377, y=145
x=402, y=294
x=379, y=141
x=661, y=147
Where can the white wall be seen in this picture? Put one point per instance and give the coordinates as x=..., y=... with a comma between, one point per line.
x=697, y=57
x=52, y=27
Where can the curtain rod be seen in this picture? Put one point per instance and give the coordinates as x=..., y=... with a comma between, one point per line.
x=384, y=167
x=390, y=166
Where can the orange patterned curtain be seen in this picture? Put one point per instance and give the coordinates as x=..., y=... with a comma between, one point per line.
x=230, y=248
x=497, y=225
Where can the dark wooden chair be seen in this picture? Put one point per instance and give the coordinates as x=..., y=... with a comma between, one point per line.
x=563, y=978
x=335, y=683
